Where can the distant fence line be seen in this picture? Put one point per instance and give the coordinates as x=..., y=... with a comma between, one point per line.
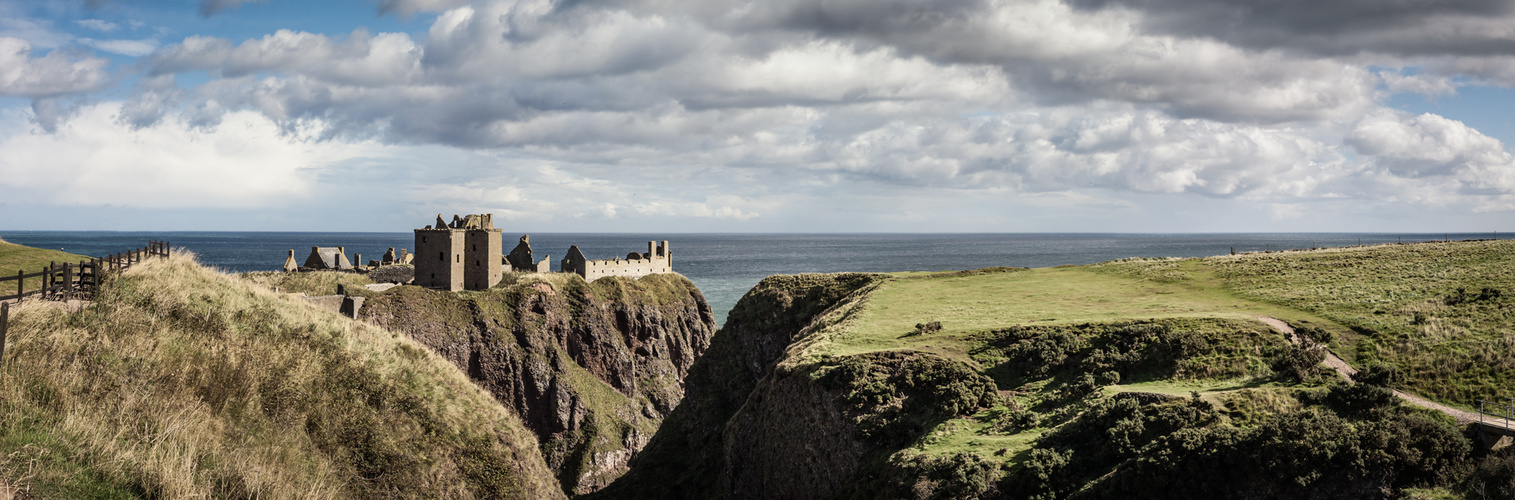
x=70, y=280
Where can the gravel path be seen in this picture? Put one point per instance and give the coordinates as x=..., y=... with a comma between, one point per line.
x=1341, y=367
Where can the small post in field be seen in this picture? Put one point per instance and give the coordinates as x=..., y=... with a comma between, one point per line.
x=5, y=318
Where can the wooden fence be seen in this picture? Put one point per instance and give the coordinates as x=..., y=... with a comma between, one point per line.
x=70, y=280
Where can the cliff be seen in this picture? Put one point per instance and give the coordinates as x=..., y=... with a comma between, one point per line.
x=592, y=368
x=689, y=457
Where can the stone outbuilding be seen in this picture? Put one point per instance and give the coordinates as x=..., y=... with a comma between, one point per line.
x=325, y=259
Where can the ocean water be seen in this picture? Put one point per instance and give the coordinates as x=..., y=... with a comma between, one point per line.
x=725, y=266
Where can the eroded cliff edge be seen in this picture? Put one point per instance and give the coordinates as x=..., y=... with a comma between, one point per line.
x=753, y=426
x=592, y=368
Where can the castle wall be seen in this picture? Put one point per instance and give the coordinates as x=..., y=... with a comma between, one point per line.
x=439, y=259
x=482, y=266
x=658, y=259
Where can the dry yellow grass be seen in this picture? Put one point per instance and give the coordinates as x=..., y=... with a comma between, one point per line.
x=183, y=382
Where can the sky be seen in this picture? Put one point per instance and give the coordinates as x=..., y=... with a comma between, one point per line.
x=759, y=116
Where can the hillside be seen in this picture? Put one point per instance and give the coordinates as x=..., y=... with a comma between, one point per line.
x=178, y=381
x=1141, y=378
x=15, y=257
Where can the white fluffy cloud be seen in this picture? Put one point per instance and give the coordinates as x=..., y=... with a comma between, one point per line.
x=92, y=160
x=59, y=72
x=1434, y=159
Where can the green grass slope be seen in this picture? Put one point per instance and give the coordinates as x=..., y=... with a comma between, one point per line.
x=15, y=257
x=182, y=382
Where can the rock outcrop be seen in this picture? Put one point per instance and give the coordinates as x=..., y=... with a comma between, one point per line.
x=592, y=368
x=689, y=456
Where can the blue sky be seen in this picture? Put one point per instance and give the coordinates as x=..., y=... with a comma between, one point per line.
x=782, y=115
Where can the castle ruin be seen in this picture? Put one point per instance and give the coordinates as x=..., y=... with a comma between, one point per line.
x=461, y=255
x=658, y=259
x=465, y=254
x=520, y=259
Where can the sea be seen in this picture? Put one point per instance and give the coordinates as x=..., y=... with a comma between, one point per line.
x=724, y=265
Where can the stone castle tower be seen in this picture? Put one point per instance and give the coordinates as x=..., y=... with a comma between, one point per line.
x=462, y=255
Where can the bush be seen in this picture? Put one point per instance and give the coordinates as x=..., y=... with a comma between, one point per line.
x=1354, y=399
x=1494, y=477
x=1382, y=375
x=1314, y=334
x=1297, y=362
x=895, y=396
x=961, y=475
x=1045, y=354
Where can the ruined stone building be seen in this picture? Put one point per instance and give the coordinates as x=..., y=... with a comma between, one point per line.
x=521, y=261
x=322, y=259
x=463, y=254
x=658, y=259
x=390, y=258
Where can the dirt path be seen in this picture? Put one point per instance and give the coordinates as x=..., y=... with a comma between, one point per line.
x=1347, y=372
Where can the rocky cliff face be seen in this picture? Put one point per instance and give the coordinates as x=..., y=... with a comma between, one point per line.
x=592, y=368
x=692, y=456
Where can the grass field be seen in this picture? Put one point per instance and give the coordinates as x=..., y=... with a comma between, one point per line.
x=970, y=304
x=1058, y=341
x=15, y=257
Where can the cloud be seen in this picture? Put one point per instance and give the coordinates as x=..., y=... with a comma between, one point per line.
x=97, y=25
x=212, y=7
x=639, y=109
x=406, y=8
x=57, y=73
x=1345, y=27
x=133, y=48
x=1431, y=159
x=90, y=160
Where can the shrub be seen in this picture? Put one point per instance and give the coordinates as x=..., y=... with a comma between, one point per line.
x=895, y=396
x=1045, y=354
x=1359, y=398
x=1494, y=477
x=1382, y=375
x=1317, y=335
x=1297, y=362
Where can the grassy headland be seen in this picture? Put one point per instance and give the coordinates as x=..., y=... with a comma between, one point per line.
x=1137, y=378
x=177, y=381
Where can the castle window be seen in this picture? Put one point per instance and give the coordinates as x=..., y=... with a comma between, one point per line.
x=442, y=256
x=460, y=258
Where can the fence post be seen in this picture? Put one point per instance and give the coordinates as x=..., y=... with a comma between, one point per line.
x=5, y=318
x=20, y=286
x=68, y=280
x=47, y=284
